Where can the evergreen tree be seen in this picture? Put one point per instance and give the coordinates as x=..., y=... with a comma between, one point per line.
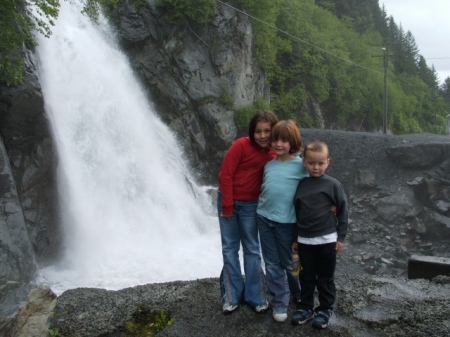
x=445, y=90
x=410, y=55
x=426, y=74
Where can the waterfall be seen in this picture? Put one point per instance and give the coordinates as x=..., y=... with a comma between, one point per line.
x=130, y=211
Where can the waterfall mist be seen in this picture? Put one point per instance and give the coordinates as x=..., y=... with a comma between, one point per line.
x=131, y=213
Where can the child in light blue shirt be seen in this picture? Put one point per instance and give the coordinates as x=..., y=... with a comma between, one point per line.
x=276, y=216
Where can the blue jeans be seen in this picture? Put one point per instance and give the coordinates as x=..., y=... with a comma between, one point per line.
x=276, y=240
x=241, y=228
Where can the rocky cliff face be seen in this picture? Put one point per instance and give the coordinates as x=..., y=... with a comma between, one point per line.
x=195, y=75
x=28, y=198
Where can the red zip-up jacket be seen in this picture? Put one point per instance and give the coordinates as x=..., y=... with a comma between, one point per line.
x=241, y=172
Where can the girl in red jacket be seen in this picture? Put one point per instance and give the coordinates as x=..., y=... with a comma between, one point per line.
x=240, y=179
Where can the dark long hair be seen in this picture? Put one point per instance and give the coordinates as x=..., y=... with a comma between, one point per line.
x=263, y=115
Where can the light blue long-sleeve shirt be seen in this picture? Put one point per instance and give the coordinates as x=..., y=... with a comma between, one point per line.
x=280, y=181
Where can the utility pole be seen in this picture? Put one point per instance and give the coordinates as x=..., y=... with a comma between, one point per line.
x=385, y=110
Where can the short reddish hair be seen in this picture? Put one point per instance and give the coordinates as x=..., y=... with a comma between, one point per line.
x=288, y=131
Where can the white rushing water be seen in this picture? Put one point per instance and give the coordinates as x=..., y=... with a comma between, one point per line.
x=131, y=214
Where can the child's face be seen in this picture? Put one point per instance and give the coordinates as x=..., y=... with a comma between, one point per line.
x=281, y=148
x=262, y=134
x=316, y=162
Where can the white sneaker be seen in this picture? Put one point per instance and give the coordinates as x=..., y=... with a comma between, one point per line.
x=262, y=307
x=280, y=317
x=228, y=308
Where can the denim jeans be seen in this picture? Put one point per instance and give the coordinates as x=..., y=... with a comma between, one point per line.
x=241, y=229
x=276, y=240
x=319, y=264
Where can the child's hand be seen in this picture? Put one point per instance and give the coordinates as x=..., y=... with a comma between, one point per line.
x=333, y=209
x=339, y=246
x=226, y=216
x=294, y=247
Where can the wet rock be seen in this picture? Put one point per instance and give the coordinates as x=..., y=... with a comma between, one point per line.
x=444, y=220
x=421, y=155
x=365, y=179
x=428, y=267
x=418, y=226
x=32, y=319
x=402, y=204
x=16, y=252
x=13, y=295
x=442, y=206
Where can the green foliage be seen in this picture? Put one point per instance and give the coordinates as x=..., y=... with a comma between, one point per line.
x=17, y=24
x=266, y=39
x=21, y=18
x=92, y=8
x=313, y=52
x=208, y=99
x=146, y=322
x=291, y=104
x=329, y=53
x=53, y=332
x=226, y=99
x=200, y=11
x=445, y=90
x=245, y=114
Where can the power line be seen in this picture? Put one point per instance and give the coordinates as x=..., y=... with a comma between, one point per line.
x=299, y=39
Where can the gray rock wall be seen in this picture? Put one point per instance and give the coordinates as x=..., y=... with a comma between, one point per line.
x=16, y=254
x=28, y=198
x=196, y=75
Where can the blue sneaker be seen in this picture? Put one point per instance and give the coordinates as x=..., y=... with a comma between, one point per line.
x=321, y=319
x=301, y=317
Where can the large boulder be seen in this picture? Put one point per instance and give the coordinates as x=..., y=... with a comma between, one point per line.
x=366, y=306
x=419, y=155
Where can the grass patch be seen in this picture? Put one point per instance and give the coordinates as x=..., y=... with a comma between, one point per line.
x=146, y=322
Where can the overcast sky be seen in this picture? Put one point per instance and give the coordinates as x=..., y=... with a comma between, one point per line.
x=429, y=23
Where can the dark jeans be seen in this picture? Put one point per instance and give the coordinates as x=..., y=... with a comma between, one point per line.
x=319, y=264
x=276, y=240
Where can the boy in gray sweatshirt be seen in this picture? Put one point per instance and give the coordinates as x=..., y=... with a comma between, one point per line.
x=319, y=235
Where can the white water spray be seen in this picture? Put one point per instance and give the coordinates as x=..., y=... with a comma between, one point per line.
x=131, y=213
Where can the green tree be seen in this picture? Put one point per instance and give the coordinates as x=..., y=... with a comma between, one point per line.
x=198, y=10
x=19, y=19
x=360, y=12
x=266, y=40
x=426, y=74
x=445, y=90
x=406, y=53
